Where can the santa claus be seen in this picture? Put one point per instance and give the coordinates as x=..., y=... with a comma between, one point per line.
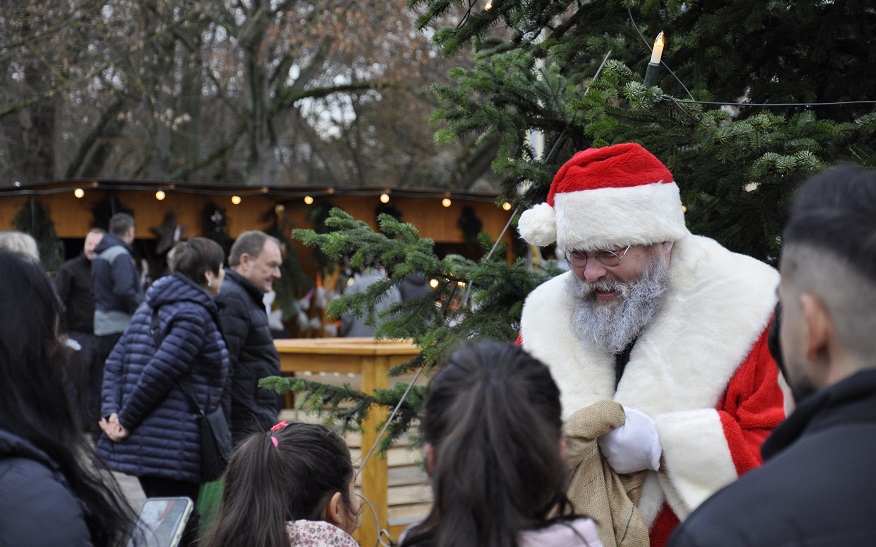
x=671, y=325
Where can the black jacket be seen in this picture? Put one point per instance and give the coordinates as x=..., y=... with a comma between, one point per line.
x=73, y=283
x=37, y=506
x=253, y=355
x=817, y=486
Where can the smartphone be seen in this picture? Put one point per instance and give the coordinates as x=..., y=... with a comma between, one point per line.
x=161, y=522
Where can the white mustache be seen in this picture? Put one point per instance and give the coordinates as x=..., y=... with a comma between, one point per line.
x=605, y=286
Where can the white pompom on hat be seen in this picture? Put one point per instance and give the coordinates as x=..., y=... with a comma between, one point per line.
x=605, y=197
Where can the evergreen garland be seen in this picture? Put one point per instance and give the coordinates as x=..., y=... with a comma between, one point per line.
x=35, y=219
x=293, y=282
x=214, y=225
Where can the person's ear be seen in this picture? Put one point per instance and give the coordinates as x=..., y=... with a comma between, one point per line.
x=429, y=457
x=333, y=512
x=819, y=327
x=564, y=449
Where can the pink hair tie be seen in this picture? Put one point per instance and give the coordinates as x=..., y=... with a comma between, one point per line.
x=276, y=427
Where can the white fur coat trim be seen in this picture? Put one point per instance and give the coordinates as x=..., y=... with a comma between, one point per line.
x=602, y=218
x=718, y=305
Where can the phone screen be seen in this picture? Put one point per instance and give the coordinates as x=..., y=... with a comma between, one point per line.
x=161, y=522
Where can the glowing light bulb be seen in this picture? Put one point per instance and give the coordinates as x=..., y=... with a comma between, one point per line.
x=446, y=202
x=160, y=195
x=489, y=5
x=308, y=200
x=433, y=283
x=280, y=208
x=384, y=198
x=657, y=52
x=235, y=200
x=684, y=208
x=506, y=206
x=79, y=192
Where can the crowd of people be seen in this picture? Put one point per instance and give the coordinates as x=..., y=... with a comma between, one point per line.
x=662, y=391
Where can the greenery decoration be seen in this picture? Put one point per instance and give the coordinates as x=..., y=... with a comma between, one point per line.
x=35, y=219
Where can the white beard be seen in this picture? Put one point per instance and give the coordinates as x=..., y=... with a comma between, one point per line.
x=613, y=326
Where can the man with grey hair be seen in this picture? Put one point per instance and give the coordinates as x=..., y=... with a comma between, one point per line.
x=21, y=243
x=670, y=325
x=819, y=467
x=254, y=263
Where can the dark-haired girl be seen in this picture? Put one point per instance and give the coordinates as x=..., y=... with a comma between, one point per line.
x=291, y=486
x=51, y=493
x=492, y=429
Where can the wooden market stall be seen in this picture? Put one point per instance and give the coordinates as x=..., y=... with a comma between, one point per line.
x=71, y=205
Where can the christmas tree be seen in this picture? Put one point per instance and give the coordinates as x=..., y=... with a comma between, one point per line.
x=748, y=99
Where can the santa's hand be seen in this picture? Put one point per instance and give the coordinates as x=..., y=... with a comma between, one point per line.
x=633, y=446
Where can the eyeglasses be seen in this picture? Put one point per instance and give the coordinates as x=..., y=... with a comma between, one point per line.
x=578, y=259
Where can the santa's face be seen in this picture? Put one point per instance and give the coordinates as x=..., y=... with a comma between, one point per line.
x=608, y=282
x=610, y=311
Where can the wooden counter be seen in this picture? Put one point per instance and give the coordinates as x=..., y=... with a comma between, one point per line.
x=371, y=359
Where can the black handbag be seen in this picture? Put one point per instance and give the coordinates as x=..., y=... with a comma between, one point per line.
x=215, y=434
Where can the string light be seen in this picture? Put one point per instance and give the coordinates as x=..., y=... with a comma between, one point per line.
x=684, y=208
x=433, y=283
x=489, y=5
x=654, y=63
x=79, y=192
x=160, y=195
x=446, y=202
x=308, y=200
x=506, y=206
x=235, y=200
x=384, y=198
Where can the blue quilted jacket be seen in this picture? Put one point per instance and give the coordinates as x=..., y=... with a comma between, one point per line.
x=140, y=382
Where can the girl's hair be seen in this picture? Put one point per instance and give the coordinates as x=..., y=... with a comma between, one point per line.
x=33, y=399
x=197, y=256
x=492, y=415
x=268, y=485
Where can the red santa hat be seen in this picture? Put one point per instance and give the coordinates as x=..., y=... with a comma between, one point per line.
x=604, y=197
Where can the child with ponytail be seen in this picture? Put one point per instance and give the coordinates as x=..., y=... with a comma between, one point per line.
x=292, y=486
x=494, y=451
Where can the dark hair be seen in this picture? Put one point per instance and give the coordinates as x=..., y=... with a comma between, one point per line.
x=267, y=485
x=34, y=403
x=835, y=212
x=493, y=417
x=197, y=256
x=251, y=243
x=120, y=223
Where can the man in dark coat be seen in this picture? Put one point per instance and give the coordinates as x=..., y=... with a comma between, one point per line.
x=115, y=285
x=73, y=285
x=254, y=262
x=816, y=484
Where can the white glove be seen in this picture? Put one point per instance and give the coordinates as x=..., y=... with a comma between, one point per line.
x=633, y=446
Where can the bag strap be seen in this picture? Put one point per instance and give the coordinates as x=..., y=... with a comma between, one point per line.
x=185, y=382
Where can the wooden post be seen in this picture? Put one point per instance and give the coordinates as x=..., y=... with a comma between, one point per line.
x=374, y=474
x=371, y=359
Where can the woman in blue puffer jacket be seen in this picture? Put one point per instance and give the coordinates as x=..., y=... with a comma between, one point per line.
x=148, y=420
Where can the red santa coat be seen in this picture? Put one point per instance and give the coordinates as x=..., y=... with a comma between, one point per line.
x=700, y=369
